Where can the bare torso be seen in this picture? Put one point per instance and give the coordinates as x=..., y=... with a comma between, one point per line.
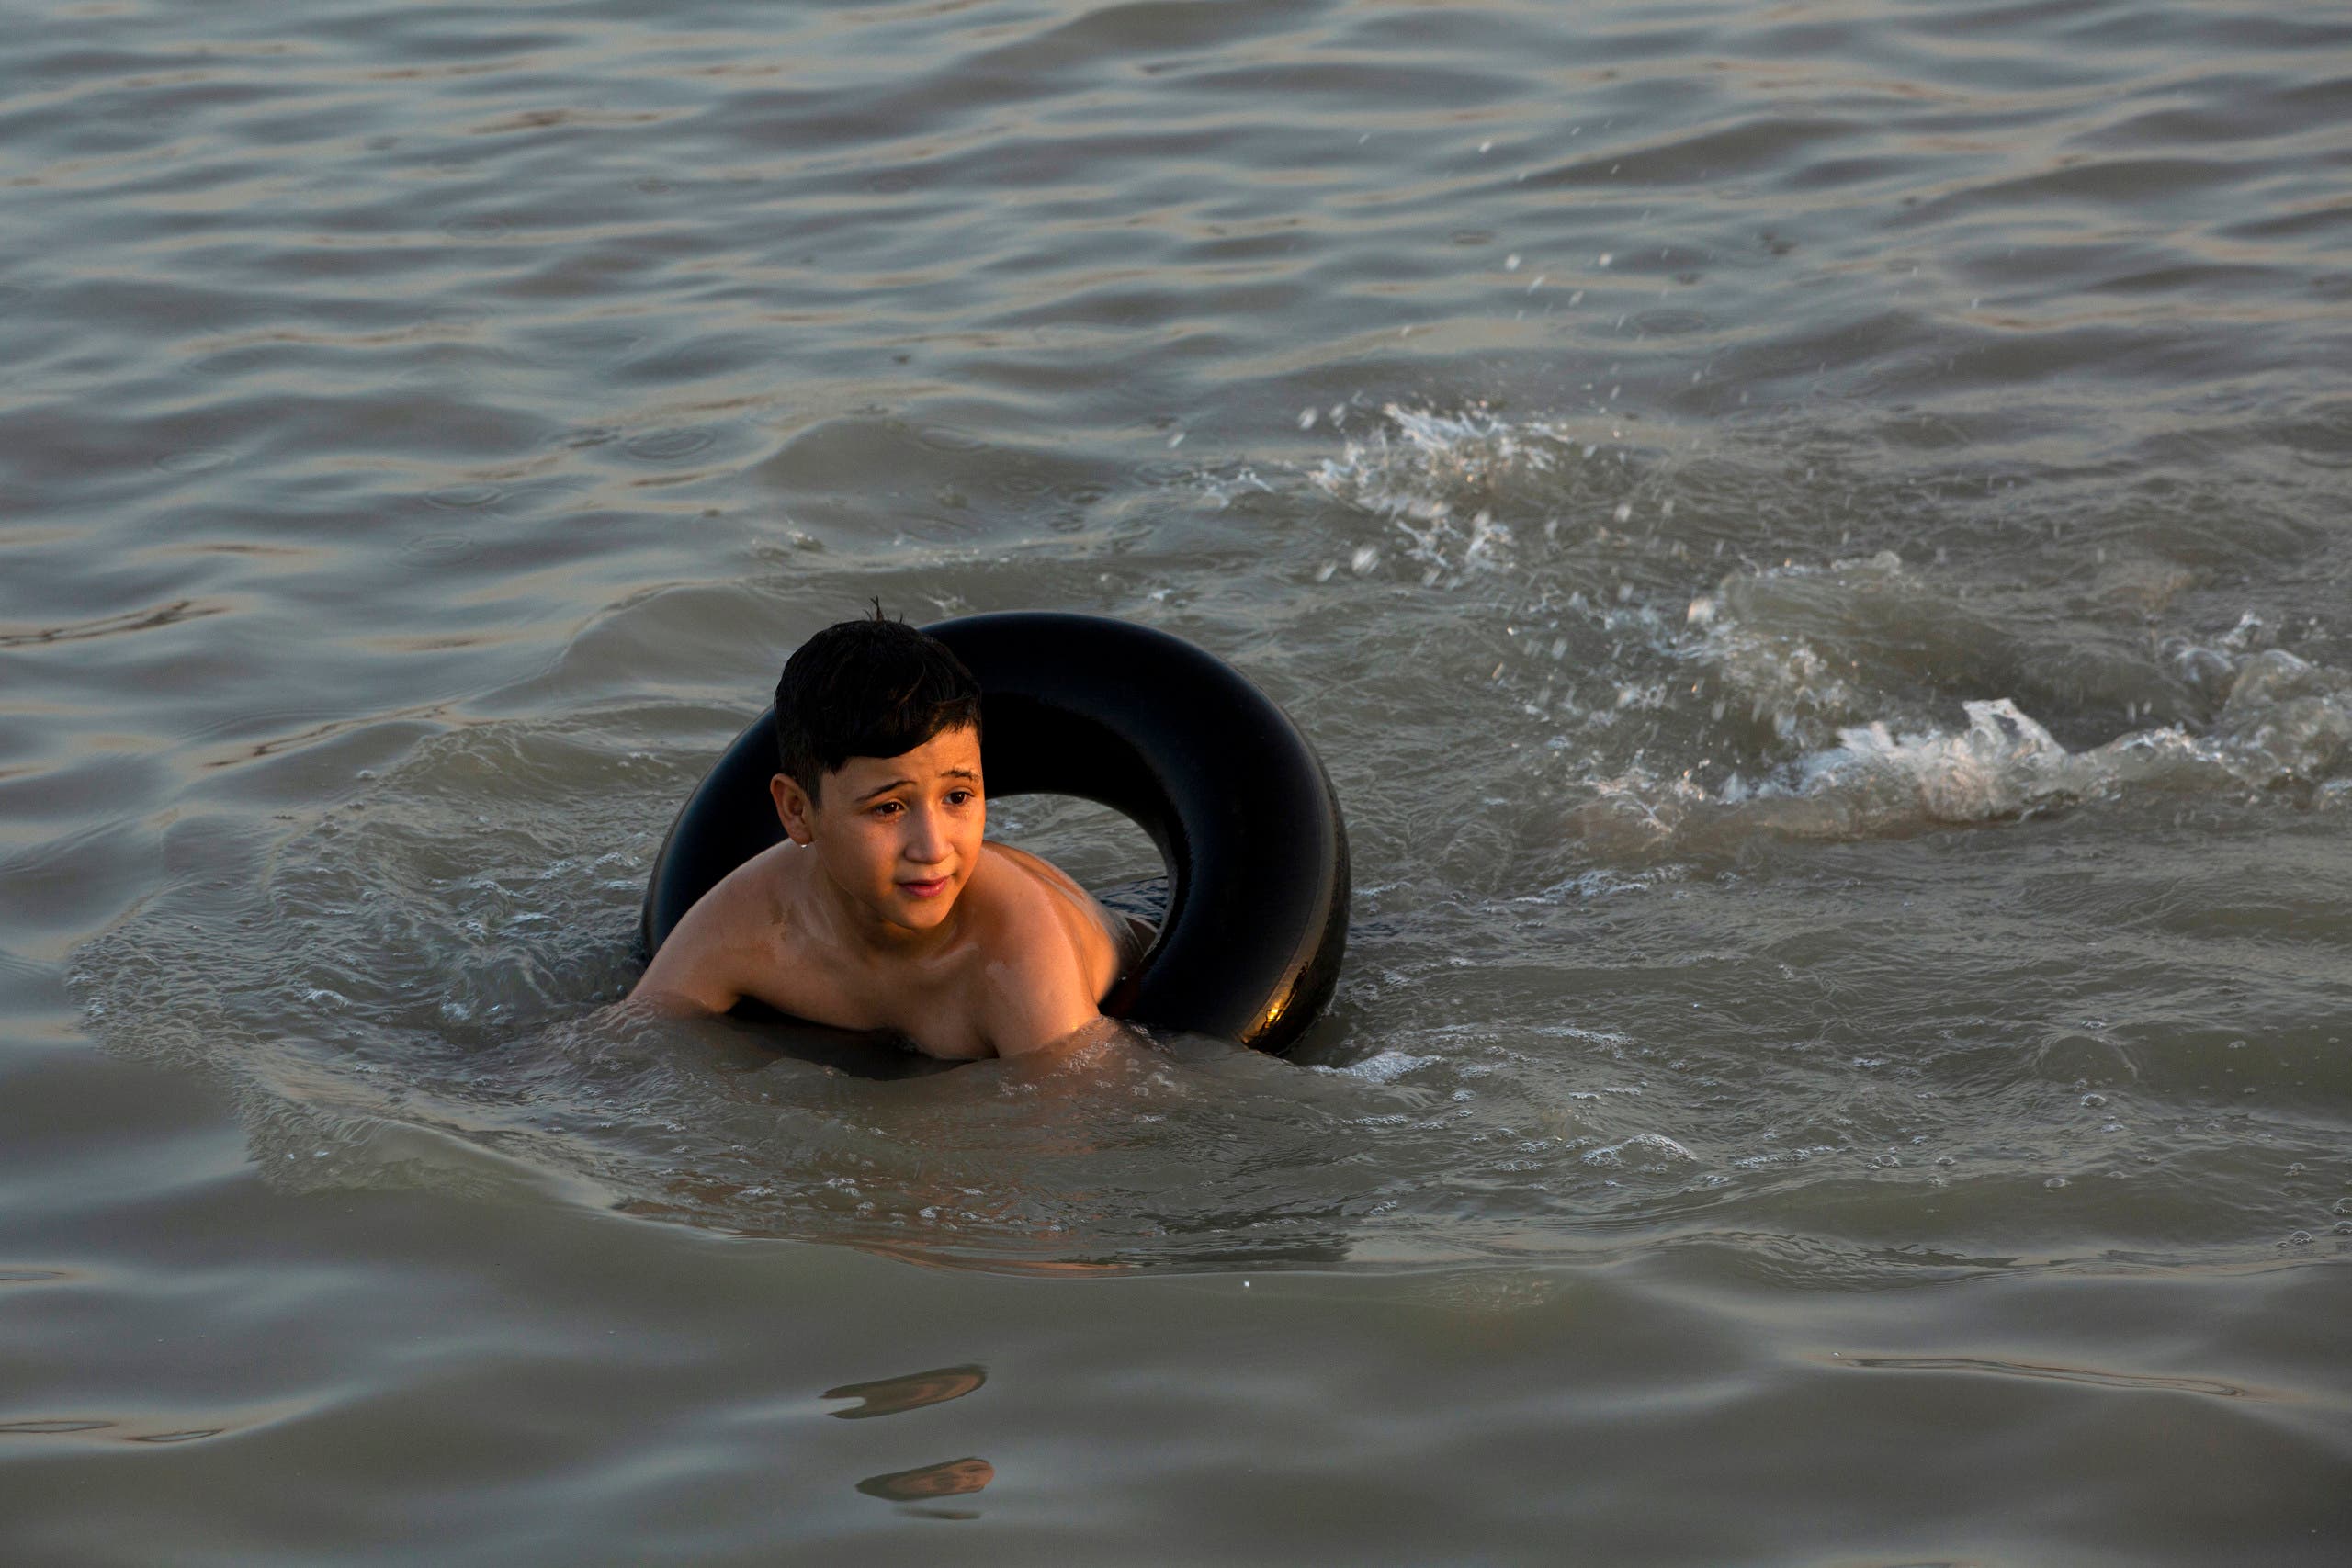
x=1026, y=958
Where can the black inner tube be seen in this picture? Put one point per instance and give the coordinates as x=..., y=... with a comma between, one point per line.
x=1170, y=736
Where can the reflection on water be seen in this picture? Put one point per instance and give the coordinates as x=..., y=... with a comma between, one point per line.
x=2097, y=1379
x=949, y=1478
x=917, y=1391
x=912, y=1391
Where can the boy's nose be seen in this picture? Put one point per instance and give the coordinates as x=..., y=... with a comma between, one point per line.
x=926, y=838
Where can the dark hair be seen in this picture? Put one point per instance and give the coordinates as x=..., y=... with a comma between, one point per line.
x=873, y=687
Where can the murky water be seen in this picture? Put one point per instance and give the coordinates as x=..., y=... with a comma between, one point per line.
x=1812, y=539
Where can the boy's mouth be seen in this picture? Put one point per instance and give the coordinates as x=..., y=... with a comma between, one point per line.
x=930, y=889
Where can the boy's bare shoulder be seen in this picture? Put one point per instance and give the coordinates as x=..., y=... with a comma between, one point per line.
x=1040, y=959
x=726, y=946
x=1033, y=868
x=756, y=900
x=1038, y=893
x=1040, y=913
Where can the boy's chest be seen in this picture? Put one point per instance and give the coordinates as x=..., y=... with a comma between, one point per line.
x=935, y=1010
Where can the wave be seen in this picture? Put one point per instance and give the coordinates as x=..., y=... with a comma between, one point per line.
x=1849, y=696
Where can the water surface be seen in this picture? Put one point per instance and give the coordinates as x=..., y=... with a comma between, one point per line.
x=1811, y=540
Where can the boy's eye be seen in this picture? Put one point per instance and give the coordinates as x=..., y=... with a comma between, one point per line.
x=889, y=808
x=959, y=797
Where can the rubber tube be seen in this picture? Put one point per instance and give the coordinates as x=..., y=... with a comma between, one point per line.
x=1155, y=728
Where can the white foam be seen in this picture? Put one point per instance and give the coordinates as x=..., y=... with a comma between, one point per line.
x=2284, y=727
x=1421, y=465
x=1449, y=483
x=2001, y=763
x=1642, y=1150
x=1386, y=1067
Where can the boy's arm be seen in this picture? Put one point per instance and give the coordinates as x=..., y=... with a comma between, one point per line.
x=707, y=964
x=1035, y=993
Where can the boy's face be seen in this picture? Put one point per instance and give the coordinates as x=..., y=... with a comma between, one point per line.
x=899, y=835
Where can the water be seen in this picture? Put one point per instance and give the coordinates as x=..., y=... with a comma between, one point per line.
x=1811, y=541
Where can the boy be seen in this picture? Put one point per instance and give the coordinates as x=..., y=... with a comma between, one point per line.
x=883, y=909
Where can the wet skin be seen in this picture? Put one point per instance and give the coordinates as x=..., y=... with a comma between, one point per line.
x=885, y=910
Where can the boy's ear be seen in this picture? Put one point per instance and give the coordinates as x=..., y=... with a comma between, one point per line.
x=793, y=808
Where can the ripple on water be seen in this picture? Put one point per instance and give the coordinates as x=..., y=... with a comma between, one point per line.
x=1811, y=539
x=445, y=938
x=1839, y=520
